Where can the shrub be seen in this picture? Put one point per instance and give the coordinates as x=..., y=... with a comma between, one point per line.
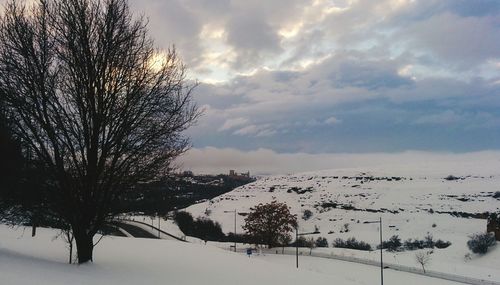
x=203, y=228
x=351, y=243
x=451, y=178
x=307, y=215
x=240, y=238
x=393, y=244
x=321, y=242
x=185, y=222
x=429, y=241
x=207, y=229
x=480, y=242
x=414, y=244
x=442, y=244
x=303, y=242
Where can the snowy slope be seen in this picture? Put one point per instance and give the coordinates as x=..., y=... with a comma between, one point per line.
x=412, y=200
x=41, y=260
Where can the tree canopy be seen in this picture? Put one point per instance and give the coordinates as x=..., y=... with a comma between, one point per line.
x=270, y=224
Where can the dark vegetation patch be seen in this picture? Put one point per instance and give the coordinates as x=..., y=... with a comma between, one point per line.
x=395, y=243
x=299, y=190
x=351, y=243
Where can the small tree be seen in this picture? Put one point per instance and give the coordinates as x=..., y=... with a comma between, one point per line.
x=311, y=244
x=393, y=244
x=270, y=224
x=345, y=228
x=423, y=258
x=480, y=242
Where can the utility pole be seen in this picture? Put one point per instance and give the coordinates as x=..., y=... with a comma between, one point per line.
x=297, y=246
x=381, y=259
x=297, y=243
x=381, y=249
x=234, y=230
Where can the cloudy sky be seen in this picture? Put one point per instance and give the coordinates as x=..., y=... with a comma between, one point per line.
x=280, y=78
x=326, y=76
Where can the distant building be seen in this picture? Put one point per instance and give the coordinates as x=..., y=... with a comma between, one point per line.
x=234, y=174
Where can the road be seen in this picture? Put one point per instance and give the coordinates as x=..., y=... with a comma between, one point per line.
x=135, y=231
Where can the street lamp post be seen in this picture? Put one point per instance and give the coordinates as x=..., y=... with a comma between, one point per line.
x=297, y=247
x=297, y=243
x=159, y=235
x=381, y=256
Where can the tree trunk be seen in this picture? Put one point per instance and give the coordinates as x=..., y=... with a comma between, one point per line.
x=34, y=224
x=70, y=252
x=84, y=246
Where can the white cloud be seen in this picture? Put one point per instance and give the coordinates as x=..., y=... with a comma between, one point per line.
x=332, y=121
x=232, y=123
x=256, y=131
x=265, y=161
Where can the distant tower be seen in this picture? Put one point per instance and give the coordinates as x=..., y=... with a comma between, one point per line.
x=232, y=172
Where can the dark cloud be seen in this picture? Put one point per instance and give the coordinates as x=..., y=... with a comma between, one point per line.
x=323, y=76
x=369, y=75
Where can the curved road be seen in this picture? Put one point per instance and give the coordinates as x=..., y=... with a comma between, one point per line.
x=135, y=231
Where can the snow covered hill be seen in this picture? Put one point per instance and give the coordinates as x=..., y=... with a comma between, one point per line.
x=445, y=200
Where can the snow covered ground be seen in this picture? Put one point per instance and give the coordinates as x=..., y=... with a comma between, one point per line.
x=413, y=200
x=409, y=198
x=119, y=260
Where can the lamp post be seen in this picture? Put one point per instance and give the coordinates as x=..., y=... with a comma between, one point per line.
x=234, y=227
x=381, y=258
x=297, y=243
x=159, y=235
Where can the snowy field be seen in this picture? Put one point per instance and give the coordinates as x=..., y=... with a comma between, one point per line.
x=413, y=201
x=119, y=260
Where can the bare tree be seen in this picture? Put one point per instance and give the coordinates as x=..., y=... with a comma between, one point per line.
x=98, y=105
x=423, y=258
x=311, y=244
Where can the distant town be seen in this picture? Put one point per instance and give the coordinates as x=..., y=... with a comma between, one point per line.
x=180, y=190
